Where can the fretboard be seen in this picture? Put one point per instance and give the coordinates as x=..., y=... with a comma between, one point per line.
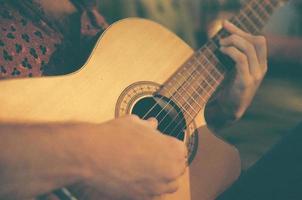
x=196, y=81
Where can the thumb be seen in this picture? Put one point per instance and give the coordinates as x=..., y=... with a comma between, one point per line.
x=152, y=122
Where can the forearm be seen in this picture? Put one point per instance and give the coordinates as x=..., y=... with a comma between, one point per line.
x=36, y=159
x=215, y=167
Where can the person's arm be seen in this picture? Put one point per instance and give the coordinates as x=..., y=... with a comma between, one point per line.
x=285, y=49
x=35, y=159
x=249, y=54
x=111, y=157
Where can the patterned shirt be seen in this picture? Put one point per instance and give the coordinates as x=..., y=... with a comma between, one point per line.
x=33, y=45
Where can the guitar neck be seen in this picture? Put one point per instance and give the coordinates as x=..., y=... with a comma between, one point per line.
x=253, y=16
x=195, y=82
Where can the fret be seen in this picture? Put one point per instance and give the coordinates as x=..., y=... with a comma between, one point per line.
x=203, y=90
x=263, y=12
x=204, y=66
x=204, y=83
x=175, y=100
x=243, y=20
x=188, y=94
x=207, y=81
x=217, y=75
x=238, y=23
x=215, y=70
x=275, y=3
x=210, y=79
x=213, y=45
x=253, y=25
x=194, y=83
x=269, y=6
x=186, y=86
x=186, y=101
x=196, y=80
x=183, y=108
x=213, y=56
x=202, y=79
x=255, y=16
x=213, y=51
x=187, y=66
x=180, y=86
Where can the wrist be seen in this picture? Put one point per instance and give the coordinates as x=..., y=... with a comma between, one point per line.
x=217, y=116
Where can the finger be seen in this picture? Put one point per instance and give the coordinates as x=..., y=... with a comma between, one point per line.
x=172, y=187
x=247, y=48
x=240, y=60
x=261, y=49
x=233, y=29
x=259, y=42
x=152, y=122
x=166, y=188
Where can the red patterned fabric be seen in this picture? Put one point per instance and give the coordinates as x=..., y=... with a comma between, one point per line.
x=31, y=46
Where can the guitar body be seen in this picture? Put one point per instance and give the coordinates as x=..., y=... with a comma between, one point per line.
x=131, y=52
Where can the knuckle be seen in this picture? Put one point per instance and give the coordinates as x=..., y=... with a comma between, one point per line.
x=233, y=38
x=258, y=76
x=174, y=172
x=260, y=40
x=133, y=117
x=249, y=83
x=231, y=50
x=165, y=188
x=242, y=59
x=246, y=84
x=265, y=69
x=249, y=47
x=173, y=188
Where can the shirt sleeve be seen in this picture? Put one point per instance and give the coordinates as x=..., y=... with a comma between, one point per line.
x=92, y=22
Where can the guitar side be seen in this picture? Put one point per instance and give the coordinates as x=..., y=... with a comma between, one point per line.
x=130, y=51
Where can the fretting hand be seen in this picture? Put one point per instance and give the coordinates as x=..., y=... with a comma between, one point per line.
x=249, y=53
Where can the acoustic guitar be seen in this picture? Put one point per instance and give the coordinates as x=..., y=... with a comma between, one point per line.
x=139, y=67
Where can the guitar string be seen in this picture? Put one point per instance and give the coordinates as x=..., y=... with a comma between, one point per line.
x=189, y=77
x=176, y=127
x=171, y=97
x=259, y=6
x=185, y=82
x=214, y=43
x=172, y=94
x=199, y=79
x=188, y=94
x=205, y=65
x=181, y=95
x=189, y=123
x=203, y=78
x=176, y=91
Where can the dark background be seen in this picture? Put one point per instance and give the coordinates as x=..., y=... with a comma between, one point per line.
x=278, y=105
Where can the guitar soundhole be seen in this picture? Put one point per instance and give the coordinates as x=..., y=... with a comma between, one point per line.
x=171, y=120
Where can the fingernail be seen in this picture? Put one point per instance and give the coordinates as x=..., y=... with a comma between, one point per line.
x=226, y=22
